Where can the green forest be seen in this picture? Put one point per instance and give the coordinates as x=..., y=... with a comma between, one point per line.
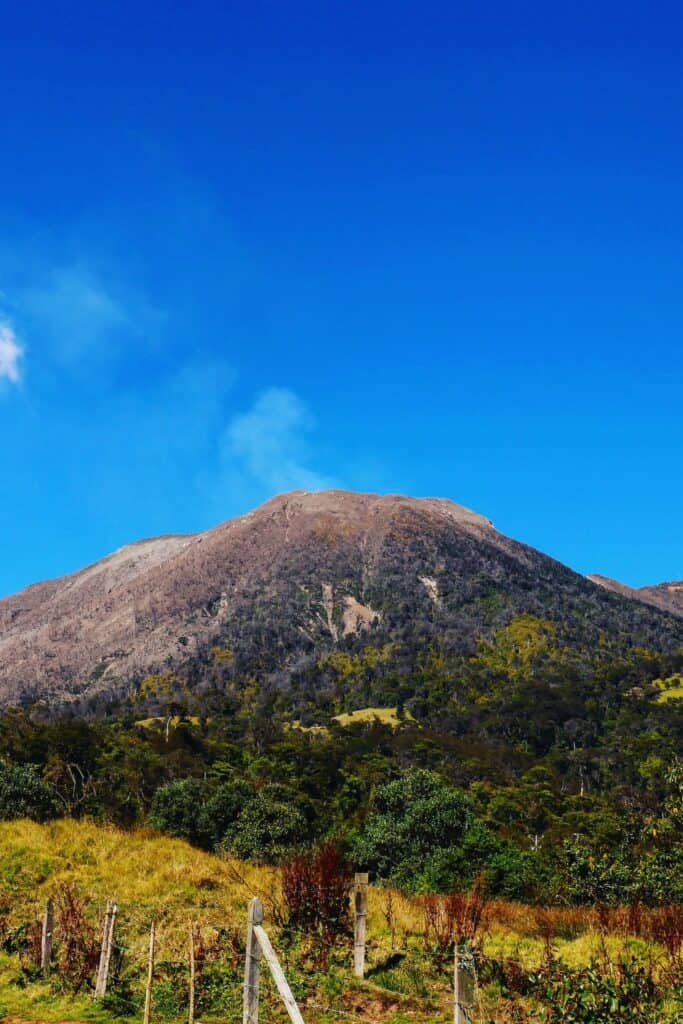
x=554, y=772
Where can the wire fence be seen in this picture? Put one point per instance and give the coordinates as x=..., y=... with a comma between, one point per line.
x=209, y=959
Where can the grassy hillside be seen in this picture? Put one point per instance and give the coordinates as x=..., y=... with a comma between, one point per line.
x=164, y=879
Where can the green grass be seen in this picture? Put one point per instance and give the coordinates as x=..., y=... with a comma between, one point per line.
x=387, y=716
x=670, y=688
x=155, y=877
x=21, y=999
x=160, y=722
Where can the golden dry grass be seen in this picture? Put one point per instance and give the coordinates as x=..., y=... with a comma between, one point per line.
x=156, y=877
x=150, y=876
x=387, y=716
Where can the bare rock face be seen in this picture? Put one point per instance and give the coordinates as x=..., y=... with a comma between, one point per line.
x=666, y=596
x=304, y=573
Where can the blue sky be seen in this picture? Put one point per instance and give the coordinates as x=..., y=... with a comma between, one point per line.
x=422, y=248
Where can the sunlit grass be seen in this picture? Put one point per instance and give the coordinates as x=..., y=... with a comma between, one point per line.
x=387, y=716
x=156, y=877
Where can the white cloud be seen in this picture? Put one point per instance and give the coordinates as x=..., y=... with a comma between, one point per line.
x=11, y=353
x=270, y=441
x=85, y=320
x=154, y=441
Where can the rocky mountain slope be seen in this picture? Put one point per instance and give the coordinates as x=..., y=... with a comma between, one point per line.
x=666, y=596
x=268, y=592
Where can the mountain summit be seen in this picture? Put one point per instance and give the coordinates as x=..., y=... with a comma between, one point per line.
x=304, y=574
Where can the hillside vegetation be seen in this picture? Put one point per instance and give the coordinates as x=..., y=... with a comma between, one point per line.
x=449, y=708
x=559, y=790
x=257, y=687
x=522, y=952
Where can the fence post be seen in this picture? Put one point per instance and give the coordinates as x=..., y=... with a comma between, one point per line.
x=192, y=974
x=252, y=965
x=46, y=943
x=278, y=975
x=463, y=986
x=105, y=953
x=150, y=974
x=360, y=913
x=110, y=946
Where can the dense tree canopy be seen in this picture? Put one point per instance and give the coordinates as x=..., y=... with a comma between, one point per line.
x=555, y=772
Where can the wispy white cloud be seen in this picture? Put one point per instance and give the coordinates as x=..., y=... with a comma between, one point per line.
x=270, y=441
x=154, y=440
x=11, y=353
x=83, y=318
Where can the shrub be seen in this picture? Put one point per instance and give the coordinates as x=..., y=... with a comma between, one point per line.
x=422, y=835
x=315, y=891
x=269, y=827
x=219, y=814
x=598, y=994
x=453, y=920
x=24, y=794
x=219, y=965
x=665, y=926
x=78, y=949
x=176, y=809
x=595, y=875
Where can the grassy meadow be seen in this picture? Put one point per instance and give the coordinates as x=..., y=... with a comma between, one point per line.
x=81, y=865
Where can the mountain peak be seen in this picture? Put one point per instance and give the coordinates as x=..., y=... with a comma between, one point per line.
x=303, y=574
x=354, y=503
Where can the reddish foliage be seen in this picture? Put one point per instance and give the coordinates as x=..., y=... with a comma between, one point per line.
x=666, y=927
x=31, y=948
x=453, y=920
x=79, y=939
x=315, y=890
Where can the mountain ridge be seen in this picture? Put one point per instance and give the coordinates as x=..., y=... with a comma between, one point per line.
x=666, y=596
x=305, y=573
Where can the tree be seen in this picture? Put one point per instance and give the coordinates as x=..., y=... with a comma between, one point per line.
x=177, y=808
x=270, y=826
x=24, y=794
x=219, y=814
x=422, y=834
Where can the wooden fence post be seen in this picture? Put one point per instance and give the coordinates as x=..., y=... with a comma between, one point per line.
x=105, y=953
x=463, y=986
x=252, y=965
x=150, y=974
x=278, y=975
x=46, y=943
x=190, y=1016
x=360, y=909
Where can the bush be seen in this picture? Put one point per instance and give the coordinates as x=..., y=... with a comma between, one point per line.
x=315, y=891
x=219, y=814
x=269, y=827
x=594, y=875
x=24, y=794
x=423, y=835
x=454, y=920
x=177, y=809
x=78, y=948
x=611, y=994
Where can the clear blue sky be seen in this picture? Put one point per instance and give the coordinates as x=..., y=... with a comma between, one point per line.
x=430, y=248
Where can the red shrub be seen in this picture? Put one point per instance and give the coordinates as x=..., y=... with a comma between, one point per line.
x=315, y=890
x=79, y=939
x=453, y=920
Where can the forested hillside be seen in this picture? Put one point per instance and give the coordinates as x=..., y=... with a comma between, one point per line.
x=528, y=723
